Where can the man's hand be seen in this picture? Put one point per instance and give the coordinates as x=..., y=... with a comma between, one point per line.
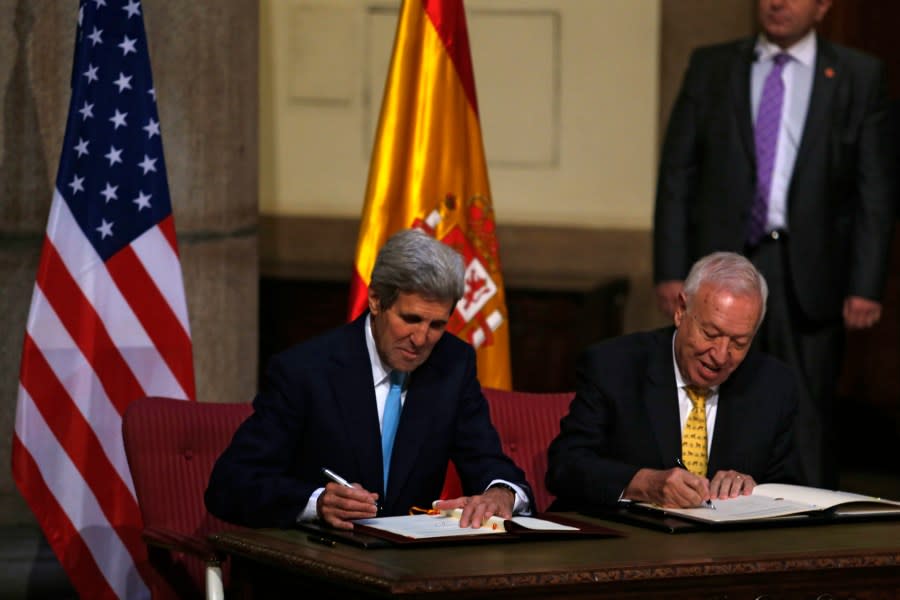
x=672, y=488
x=861, y=313
x=667, y=296
x=729, y=484
x=478, y=509
x=338, y=505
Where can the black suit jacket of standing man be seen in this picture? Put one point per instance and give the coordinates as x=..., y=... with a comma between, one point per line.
x=624, y=417
x=841, y=194
x=839, y=205
x=317, y=409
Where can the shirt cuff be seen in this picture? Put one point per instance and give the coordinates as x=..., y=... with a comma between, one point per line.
x=520, y=506
x=309, y=512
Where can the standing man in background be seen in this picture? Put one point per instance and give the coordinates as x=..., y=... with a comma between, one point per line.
x=778, y=147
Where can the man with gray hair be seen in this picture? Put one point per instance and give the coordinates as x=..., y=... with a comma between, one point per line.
x=680, y=415
x=383, y=403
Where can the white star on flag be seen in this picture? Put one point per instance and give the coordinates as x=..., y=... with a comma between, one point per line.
x=152, y=128
x=114, y=155
x=87, y=111
x=118, y=119
x=148, y=164
x=95, y=36
x=127, y=46
x=123, y=82
x=82, y=147
x=143, y=200
x=133, y=8
x=105, y=229
x=77, y=184
x=109, y=192
x=91, y=73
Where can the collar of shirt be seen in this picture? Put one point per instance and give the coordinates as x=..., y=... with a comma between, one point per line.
x=804, y=51
x=380, y=371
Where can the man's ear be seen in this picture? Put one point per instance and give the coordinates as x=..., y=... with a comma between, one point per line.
x=680, y=309
x=374, y=304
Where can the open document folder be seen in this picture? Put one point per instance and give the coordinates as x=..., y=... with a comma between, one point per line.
x=443, y=528
x=778, y=500
x=446, y=524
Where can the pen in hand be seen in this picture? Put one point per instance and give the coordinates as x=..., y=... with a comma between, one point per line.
x=680, y=464
x=335, y=477
x=341, y=481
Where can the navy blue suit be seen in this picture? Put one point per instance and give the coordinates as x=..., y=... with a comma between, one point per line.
x=317, y=409
x=624, y=417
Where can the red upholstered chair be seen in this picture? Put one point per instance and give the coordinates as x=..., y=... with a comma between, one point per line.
x=171, y=447
x=527, y=422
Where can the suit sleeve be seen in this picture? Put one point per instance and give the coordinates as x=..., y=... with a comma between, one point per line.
x=677, y=182
x=582, y=471
x=877, y=191
x=251, y=484
x=784, y=460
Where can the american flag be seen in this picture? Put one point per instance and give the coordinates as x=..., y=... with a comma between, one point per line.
x=108, y=321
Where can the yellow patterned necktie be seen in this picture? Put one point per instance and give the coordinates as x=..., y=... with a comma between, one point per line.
x=693, y=439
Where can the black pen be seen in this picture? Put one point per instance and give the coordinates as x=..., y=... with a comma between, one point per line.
x=680, y=464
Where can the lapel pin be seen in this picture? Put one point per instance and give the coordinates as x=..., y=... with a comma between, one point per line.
x=829, y=72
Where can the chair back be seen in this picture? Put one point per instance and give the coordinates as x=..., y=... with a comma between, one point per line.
x=171, y=447
x=526, y=422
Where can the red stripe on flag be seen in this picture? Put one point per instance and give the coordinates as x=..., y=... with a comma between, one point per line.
x=153, y=311
x=83, y=447
x=449, y=19
x=86, y=329
x=359, y=295
x=64, y=539
x=167, y=226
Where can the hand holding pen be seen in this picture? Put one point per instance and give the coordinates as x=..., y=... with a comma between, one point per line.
x=707, y=503
x=341, y=502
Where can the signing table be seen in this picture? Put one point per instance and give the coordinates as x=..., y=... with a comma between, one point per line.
x=848, y=560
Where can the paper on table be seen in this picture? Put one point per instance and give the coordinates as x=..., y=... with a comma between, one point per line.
x=774, y=500
x=745, y=507
x=446, y=524
x=428, y=526
x=541, y=524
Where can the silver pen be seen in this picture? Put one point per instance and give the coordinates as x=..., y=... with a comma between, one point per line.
x=336, y=478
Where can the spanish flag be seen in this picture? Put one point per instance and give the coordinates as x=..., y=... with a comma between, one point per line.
x=428, y=171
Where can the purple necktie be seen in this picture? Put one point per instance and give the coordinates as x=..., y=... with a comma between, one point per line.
x=768, y=120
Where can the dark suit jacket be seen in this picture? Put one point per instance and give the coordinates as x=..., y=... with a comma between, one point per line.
x=317, y=409
x=840, y=198
x=624, y=417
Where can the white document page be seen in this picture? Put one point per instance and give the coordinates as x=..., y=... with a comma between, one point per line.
x=743, y=508
x=429, y=526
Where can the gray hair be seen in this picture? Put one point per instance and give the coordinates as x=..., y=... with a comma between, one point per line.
x=731, y=272
x=412, y=261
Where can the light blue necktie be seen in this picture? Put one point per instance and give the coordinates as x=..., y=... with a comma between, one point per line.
x=390, y=420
